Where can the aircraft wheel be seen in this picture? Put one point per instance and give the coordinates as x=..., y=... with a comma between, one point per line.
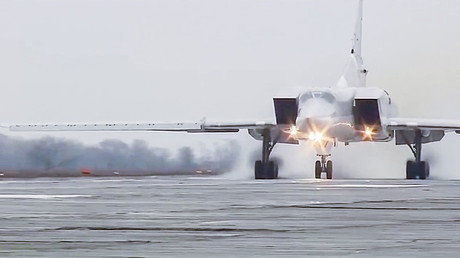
x=268, y=172
x=427, y=169
x=329, y=169
x=421, y=172
x=272, y=170
x=318, y=169
x=258, y=170
x=424, y=170
x=276, y=169
x=411, y=172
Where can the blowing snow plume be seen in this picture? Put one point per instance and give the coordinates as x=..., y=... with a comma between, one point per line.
x=50, y=156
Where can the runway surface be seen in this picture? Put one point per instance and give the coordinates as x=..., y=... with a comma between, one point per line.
x=211, y=216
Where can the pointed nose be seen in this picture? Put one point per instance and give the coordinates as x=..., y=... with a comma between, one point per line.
x=313, y=124
x=315, y=115
x=316, y=108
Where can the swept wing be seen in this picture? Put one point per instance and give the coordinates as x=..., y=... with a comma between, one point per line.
x=190, y=127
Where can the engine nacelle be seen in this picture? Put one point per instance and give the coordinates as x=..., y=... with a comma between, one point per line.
x=286, y=110
x=370, y=106
x=366, y=113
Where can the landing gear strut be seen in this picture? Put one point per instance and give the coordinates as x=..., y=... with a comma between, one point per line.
x=266, y=168
x=323, y=165
x=418, y=168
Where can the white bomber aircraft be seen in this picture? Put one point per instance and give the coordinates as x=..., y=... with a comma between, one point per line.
x=346, y=112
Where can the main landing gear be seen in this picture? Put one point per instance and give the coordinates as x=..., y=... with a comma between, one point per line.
x=266, y=168
x=323, y=165
x=418, y=168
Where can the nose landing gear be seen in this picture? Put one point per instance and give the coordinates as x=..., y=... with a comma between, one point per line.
x=323, y=165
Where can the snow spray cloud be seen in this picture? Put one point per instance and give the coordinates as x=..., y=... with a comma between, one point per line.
x=50, y=153
x=365, y=160
x=373, y=160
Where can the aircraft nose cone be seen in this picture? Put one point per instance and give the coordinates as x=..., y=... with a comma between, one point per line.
x=314, y=108
x=315, y=115
x=313, y=124
x=342, y=131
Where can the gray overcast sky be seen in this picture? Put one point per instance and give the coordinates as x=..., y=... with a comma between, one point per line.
x=172, y=60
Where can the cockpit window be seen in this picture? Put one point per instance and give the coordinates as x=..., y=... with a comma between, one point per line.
x=317, y=95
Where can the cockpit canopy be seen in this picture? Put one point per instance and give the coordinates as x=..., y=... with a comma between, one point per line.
x=317, y=94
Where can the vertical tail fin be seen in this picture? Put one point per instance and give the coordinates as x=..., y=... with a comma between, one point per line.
x=355, y=73
x=356, y=44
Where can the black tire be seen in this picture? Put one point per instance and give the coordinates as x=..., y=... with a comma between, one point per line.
x=420, y=171
x=329, y=169
x=411, y=170
x=423, y=170
x=427, y=169
x=318, y=169
x=268, y=172
x=258, y=170
x=276, y=171
x=272, y=170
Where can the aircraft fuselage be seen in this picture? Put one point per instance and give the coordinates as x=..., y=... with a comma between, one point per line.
x=350, y=114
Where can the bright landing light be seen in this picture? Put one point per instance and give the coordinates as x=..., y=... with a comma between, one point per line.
x=293, y=131
x=317, y=137
x=368, y=133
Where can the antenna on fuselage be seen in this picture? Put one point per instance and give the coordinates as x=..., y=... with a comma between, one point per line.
x=355, y=72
